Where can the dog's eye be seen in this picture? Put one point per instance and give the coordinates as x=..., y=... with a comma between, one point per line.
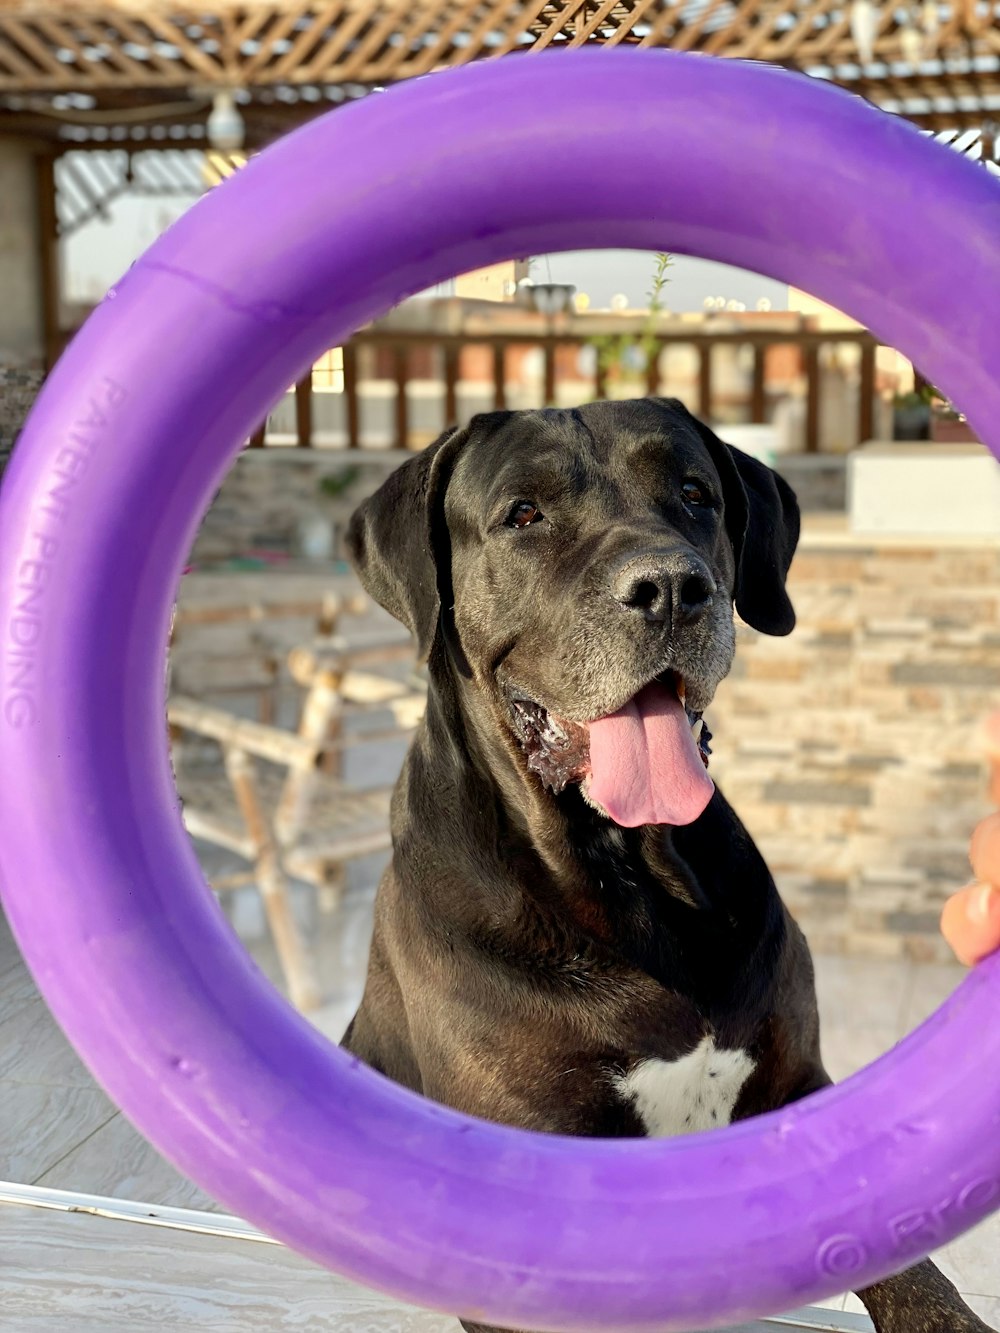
x=693, y=493
x=523, y=514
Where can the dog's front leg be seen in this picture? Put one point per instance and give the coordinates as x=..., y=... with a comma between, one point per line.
x=920, y=1300
x=487, y=1328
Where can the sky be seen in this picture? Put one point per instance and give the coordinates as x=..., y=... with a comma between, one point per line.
x=97, y=255
x=603, y=274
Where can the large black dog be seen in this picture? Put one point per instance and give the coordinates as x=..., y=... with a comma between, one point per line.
x=576, y=934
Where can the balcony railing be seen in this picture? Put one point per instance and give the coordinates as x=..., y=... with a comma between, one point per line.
x=422, y=382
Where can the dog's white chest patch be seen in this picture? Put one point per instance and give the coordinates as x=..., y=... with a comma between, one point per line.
x=698, y=1091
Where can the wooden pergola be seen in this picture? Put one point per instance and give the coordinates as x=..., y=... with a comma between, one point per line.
x=82, y=73
x=113, y=96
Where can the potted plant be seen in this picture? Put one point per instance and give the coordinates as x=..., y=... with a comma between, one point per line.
x=623, y=357
x=948, y=425
x=317, y=528
x=911, y=417
x=926, y=414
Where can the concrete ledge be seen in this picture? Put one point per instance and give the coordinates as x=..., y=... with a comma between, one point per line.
x=836, y=532
x=923, y=490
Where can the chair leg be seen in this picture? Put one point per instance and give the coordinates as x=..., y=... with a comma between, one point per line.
x=267, y=702
x=296, y=959
x=332, y=886
x=320, y=707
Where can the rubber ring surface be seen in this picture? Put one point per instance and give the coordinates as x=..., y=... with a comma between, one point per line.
x=129, y=440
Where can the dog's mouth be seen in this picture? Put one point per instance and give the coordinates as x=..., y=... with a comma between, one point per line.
x=641, y=764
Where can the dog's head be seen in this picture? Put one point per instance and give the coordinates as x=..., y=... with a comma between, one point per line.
x=581, y=568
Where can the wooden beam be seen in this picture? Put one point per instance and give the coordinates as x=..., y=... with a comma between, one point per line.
x=557, y=24
x=499, y=377
x=638, y=14
x=461, y=15
x=252, y=67
x=348, y=40
x=351, y=406
x=810, y=357
x=16, y=64
x=191, y=53
x=210, y=829
x=783, y=46
x=525, y=18
x=816, y=48
x=304, y=47
x=376, y=39
x=549, y=388
x=866, y=393
x=271, y=743
x=170, y=73
x=705, y=381
x=451, y=365
x=246, y=29
x=652, y=375
x=989, y=139
x=48, y=257
x=690, y=34
x=303, y=412
x=736, y=33
x=422, y=19
x=124, y=65
x=585, y=33
x=335, y=45
x=400, y=367
x=272, y=881
x=758, y=397
x=30, y=45
x=61, y=36
x=662, y=28
x=600, y=378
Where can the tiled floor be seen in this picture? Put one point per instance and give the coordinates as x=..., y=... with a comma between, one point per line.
x=58, y=1129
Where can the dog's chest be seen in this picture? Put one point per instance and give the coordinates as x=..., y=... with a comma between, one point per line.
x=697, y=1091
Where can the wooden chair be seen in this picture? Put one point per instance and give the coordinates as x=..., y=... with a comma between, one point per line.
x=283, y=804
x=266, y=621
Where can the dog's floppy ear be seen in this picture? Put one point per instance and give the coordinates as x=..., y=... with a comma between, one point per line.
x=769, y=541
x=398, y=541
x=762, y=519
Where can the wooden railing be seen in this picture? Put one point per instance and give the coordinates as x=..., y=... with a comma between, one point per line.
x=396, y=351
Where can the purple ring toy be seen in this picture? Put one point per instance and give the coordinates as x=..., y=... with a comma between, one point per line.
x=130, y=438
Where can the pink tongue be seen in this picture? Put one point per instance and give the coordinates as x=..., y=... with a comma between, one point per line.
x=645, y=765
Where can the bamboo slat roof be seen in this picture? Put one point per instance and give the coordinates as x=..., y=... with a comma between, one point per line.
x=116, y=66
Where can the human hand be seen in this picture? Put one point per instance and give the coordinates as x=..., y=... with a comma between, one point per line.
x=970, y=921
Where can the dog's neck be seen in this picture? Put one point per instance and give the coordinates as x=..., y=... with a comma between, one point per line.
x=690, y=906
x=560, y=837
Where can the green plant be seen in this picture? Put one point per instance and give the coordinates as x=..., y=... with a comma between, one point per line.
x=927, y=396
x=940, y=405
x=613, y=348
x=334, y=484
x=946, y=411
x=906, y=402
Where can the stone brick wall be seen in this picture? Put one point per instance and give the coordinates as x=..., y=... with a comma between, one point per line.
x=851, y=749
x=270, y=493
x=19, y=385
x=818, y=480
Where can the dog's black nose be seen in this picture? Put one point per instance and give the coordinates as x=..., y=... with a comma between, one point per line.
x=665, y=587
